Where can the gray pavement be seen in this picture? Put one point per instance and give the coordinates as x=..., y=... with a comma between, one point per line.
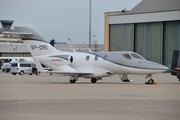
x=46, y=97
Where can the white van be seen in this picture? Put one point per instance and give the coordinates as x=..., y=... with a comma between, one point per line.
x=23, y=68
x=6, y=67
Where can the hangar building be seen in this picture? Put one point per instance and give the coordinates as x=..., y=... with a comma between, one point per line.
x=152, y=29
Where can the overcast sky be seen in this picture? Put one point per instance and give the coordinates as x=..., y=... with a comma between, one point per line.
x=62, y=19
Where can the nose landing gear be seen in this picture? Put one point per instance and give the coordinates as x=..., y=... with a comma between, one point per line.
x=150, y=81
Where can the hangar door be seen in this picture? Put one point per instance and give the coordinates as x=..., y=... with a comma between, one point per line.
x=122, y=37
x=149, y=40
x=170, y=40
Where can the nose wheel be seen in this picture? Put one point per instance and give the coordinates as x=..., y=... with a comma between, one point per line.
x=150, y=81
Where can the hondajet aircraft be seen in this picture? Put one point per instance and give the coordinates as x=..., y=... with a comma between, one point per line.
x=93, y=65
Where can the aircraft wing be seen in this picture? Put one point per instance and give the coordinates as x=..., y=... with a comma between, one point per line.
x=70, y=73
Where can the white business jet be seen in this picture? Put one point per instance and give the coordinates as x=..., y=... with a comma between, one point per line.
x=93, y=65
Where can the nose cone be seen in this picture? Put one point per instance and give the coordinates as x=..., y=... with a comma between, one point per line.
x=156, y=66
x=161, y=67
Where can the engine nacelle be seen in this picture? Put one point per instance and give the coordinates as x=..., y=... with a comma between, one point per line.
x=60, y=60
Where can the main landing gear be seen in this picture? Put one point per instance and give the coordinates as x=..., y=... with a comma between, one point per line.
x=73, y=79
x=150, y=81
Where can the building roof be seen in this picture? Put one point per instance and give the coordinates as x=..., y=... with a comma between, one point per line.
x=156, y=6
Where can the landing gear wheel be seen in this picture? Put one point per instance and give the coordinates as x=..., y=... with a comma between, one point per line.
x=93, y=80
x=72, y=81
x=150, y=81
x=37, y=73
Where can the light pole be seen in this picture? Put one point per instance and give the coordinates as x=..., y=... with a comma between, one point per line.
x=70, y=40
x=70, y=46
x=93, y=38
x=89, y=23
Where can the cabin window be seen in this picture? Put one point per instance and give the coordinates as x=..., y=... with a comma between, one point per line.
x=25, y=65
x=87, y=57
x=127, y=56
x=96, y=58
x=14, y=65
x=105, y=57
x=136, y=56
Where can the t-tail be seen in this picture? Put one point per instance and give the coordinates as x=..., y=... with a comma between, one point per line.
x=39, y=47
x=36, y=44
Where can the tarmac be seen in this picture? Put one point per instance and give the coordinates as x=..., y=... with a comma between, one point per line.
x=45, y=97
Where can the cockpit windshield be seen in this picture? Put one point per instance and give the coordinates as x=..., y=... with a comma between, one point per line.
x=132, y=55
x=136, y=56
x=127, y=56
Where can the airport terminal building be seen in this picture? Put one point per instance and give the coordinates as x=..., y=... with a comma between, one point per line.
x=152, y=29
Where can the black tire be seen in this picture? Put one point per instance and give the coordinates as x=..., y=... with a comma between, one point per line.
x=30, y=73
x=21, y=72
x=151, y=81
x=37, y=73
x=93, y=80
x=14, y=73
x=72, y=81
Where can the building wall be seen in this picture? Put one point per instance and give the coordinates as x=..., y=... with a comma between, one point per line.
x=153, y=40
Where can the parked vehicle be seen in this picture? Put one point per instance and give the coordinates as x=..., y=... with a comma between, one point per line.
x=6, y=67
x=24, y=68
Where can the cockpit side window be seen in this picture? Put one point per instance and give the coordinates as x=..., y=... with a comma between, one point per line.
x=136, y=56
x=105, y=57
x=87, y=58
x=96, y=58
x=127, y=56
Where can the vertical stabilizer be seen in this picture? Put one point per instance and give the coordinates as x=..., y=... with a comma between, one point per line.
x=38, y=47
x=35, y=43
